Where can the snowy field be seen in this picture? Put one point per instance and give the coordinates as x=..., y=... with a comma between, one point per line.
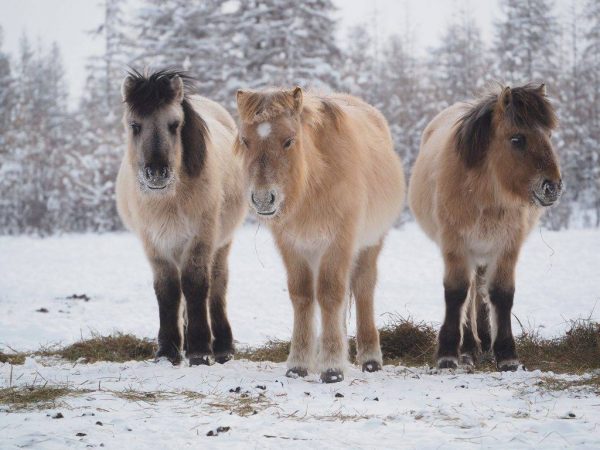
x=557, y=280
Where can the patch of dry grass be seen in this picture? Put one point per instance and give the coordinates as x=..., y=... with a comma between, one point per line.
x=577, y=351
x=273, y=350
x=34, y=397
x=116, y=348
x=12, y=358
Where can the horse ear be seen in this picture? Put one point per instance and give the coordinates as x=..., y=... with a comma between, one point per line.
x=505, y=98
x=242, y=99
x=178, y=89
x=542, y=90
x=298, y=95
x=126, y=87
x=474, y=132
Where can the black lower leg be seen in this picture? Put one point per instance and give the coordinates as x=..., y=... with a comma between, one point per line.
x=195, y=287
x=504, y=344
x=469, y=349
x=223, y=347
x=168, y=294
x=449, y=337
x=483, y=325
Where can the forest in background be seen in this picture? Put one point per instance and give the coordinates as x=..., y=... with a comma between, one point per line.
x=58, y=164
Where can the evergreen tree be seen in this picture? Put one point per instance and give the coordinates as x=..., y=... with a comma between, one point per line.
x=525, y=44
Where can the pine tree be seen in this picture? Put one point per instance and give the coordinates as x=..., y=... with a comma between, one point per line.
x=525, y=44
x=457, y=66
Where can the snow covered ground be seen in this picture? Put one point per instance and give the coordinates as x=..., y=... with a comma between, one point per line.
x=557, y=280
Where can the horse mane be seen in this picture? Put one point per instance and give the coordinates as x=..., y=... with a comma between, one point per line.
x=267, y=105
x=522, y=107
x=146, y=93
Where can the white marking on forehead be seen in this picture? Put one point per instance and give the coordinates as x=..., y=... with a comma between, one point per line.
x=263, y=129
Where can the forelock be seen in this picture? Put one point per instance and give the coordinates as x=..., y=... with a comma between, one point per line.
x=147, y=93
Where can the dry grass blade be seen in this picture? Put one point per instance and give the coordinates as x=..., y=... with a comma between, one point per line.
x=34, y=397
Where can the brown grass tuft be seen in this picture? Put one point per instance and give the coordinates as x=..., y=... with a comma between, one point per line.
x=12, y=358
x=34, y=397
x=116, y=348
x=273, y=350
x=577, y=351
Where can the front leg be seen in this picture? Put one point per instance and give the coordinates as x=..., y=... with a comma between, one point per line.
x=301, y=290
x=195, y=276
x=456, y=288
x=502, y=293
x=331, y=294
x=168, y=294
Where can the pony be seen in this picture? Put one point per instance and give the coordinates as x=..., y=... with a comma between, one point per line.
x=181, y=190
x=484, y=173
x=324, y=177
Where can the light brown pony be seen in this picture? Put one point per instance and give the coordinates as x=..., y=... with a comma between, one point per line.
x=181, y=190
x=324, y=177
x=483, y=175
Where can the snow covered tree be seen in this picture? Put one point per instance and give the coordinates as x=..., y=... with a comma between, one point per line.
x=457, y=65
x=525, y=45
x=361, y=70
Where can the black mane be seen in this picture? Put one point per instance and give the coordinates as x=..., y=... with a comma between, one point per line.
x=147, y=93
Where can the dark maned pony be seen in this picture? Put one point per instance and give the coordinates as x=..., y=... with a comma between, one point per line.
x=181, y=190
x=482, y=178
x=325, y=178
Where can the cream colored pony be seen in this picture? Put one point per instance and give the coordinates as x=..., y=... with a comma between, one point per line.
x=324, y=177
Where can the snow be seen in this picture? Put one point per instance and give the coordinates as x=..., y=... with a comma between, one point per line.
x=556, y=280
x=263, y=129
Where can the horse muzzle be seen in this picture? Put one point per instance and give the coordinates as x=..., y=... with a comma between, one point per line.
x=265, y=202
x=548, y=192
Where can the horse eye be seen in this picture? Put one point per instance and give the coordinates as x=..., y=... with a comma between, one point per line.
x=136, y=128
x=288, y=143
x=173, y=127
x=518, y=141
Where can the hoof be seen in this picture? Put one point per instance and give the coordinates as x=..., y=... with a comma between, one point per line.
x=222, y=358
x=511, y=365
x=371, y=366
x=332, y=376
x=201, y=360
x=467, y=360
x=447, y=362
x=172, y=355
x=296, y=372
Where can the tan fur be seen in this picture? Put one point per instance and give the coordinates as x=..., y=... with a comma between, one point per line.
x=342, y=187
x=479, y=216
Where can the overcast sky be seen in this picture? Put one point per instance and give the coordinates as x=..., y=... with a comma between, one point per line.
x=67, y=21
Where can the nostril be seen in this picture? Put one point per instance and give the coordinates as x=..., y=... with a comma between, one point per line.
x=272, y=198
x=164, y=172
x=253, y=198
x=148, y=173
x=549, y=187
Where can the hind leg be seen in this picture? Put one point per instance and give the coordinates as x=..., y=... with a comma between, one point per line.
x=364, y=278
x=483, y=311
x=222, y=345
x=470, y=347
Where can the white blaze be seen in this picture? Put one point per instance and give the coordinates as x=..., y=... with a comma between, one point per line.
x=263, y=129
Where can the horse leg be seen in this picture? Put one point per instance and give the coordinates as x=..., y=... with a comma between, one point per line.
x=470, y=347
x=483, y=312
x=223, y=347
x=331, y=295
x=195, y=282
x=456, y=289
x=301, y=290
x=502, y=293
x=168, y=294
x=364, y=277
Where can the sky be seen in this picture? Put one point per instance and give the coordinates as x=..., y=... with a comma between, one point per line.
x=68, y=22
